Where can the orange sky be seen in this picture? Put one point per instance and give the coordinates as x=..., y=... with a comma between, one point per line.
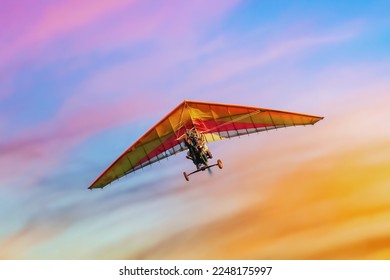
x=322, y=196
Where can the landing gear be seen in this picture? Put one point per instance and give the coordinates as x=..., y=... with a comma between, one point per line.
x=202, y=168
x=186, y=176
x=220, y=164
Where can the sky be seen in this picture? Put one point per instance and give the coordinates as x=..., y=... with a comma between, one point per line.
x=80, y=81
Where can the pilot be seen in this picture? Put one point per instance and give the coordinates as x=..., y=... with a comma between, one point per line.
x=189, y=144
x=195, y=142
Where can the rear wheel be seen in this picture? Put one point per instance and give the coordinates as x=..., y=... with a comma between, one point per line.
x=220, y=164
x=186, y=176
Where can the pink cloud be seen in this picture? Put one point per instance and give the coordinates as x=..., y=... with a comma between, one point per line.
x=104, y=25
x=53, y=21
x=172, y=33
x=40, y=149
x=78, y=29
x=69, y=16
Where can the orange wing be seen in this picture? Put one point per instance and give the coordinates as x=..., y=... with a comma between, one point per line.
x=216, y=121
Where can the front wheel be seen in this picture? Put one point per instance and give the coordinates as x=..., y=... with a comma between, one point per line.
x=186, y=176
x=220, y=164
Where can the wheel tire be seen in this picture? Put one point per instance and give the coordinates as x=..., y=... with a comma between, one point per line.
x=186, y=176
x=220, y=164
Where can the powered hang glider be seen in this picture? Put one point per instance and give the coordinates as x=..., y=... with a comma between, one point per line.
x=189, y=127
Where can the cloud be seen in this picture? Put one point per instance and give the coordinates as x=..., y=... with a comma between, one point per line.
x=45, y=23
x=35, y=233
x=90, y=26
x=227, y=64
x=41, y=148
